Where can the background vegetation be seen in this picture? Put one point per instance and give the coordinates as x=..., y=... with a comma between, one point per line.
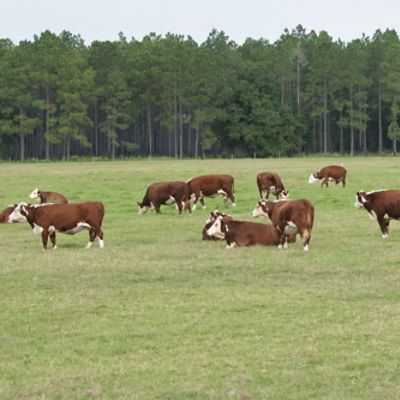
x=160, y=314
x=170, y=96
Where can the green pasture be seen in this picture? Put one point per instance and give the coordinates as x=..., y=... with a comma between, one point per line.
x=160, y=314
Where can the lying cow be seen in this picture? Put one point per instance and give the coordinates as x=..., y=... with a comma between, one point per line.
x=213, y=216
x=382, y=206
x=335, y=173
x=6, y=212
x=164, y=193
x=210, y=186
x=48, y=197
x=47, y=219
x=244, y=233
x=289, y=218
x=270, y=182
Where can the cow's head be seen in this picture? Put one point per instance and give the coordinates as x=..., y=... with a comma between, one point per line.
x=261, y=210
x=19, y=214
x=361, y=199
x=312, y=178
x=218, y=228
x=142, y=208
x=35, y=194
x=284, y=194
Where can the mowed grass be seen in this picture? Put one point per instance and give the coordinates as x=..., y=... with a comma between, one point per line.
x=160, y=314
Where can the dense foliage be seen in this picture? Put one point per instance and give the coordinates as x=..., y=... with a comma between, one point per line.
x=169, y=96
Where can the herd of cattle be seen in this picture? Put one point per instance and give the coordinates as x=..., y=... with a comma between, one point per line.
x=288, y=218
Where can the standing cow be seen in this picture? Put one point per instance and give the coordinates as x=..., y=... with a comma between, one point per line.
x=164, y=193
x=48, y=197
x=271, y=182
x=47, y=219
x=210, y=186
x=289, y=218
x=334, y=173
x=382, y=206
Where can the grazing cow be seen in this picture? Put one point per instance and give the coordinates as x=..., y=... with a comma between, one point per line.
x=6, y=212
x=48, y=197
x=210, y=186
x=335, y=173
x=213, y=216
x=289, y=218
x=244, y=233
x=164, y=193
x=382, y=206
x=270, y=182
x=47, y=219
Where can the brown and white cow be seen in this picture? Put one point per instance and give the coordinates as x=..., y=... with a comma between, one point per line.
x=271, y=182
x=213, y=216
x=334, y=173
x=6, y=212
x=382, y=206
x=48, y=219
x=210, y=186
x=244, y=233
x=48, y=197
x=164, y=193
x=289, y=218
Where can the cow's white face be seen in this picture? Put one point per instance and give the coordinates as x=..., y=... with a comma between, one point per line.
x=19, y=214
x=312, y=179
x=259, y=212
x=142, y=209
x=215, y=229
x=360, y=200
x=35, y=194
x=285, y=195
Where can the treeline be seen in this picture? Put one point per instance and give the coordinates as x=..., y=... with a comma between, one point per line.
x=170, y=96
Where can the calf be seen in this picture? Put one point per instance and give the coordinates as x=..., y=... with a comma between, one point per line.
x=335, y=173
x=210, y=221
x=289, y=218
x=382, y=206
x=210, y=186
x=244, y=233
x=164, y=193
x=270, y=182
x=47, y=219
x=6, y=212
x=48, y=197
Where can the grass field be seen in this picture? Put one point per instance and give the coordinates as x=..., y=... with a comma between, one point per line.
x=160, y=314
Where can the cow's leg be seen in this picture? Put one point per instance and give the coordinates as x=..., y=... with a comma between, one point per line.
x=53, y=240
x=344, y=181
x=325, y=182
x=384, y=225
x=179, y=204
x=281, y=239
x=285, y=244
x=157, y=208
x=202, y=202
x=305, y=237
x=266, y=193
x=231, y=197
x=195, y=198
x=45, y=237
x=94, y=232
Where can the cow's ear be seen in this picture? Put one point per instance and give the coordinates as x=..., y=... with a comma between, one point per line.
x=23, y=211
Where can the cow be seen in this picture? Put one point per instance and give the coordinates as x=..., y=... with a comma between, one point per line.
x=382, y=206
x=48, y=197
x=47, y=219
x=289, y=218
x=210, y=186
x=244, y=233
x=335, y=173
x=213, y=216
x=6, y=212
x=271, y=182
x=164, y=193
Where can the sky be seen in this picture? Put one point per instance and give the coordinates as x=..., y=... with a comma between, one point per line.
x=104, y=19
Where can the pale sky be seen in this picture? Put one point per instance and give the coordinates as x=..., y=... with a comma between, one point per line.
x=104, y=19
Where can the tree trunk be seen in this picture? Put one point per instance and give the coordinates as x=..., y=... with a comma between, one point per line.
x=380, y=136
x=175, y=129
x=325, y=119
x=180, y=130
x=351, y=123
x=149, y=130
x=47, y=123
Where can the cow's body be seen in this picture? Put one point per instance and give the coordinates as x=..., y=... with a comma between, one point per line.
x=289, y=218
x=210, y=186
x=244, y=233
x=47, y=219
x=164, y=193
x=382, y=206
x=48, y=197
x=334, y=173
x=269, y=182
x=213, y=216
x=6, y=213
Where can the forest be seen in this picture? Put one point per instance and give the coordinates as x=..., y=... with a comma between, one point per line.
x=169, y=96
